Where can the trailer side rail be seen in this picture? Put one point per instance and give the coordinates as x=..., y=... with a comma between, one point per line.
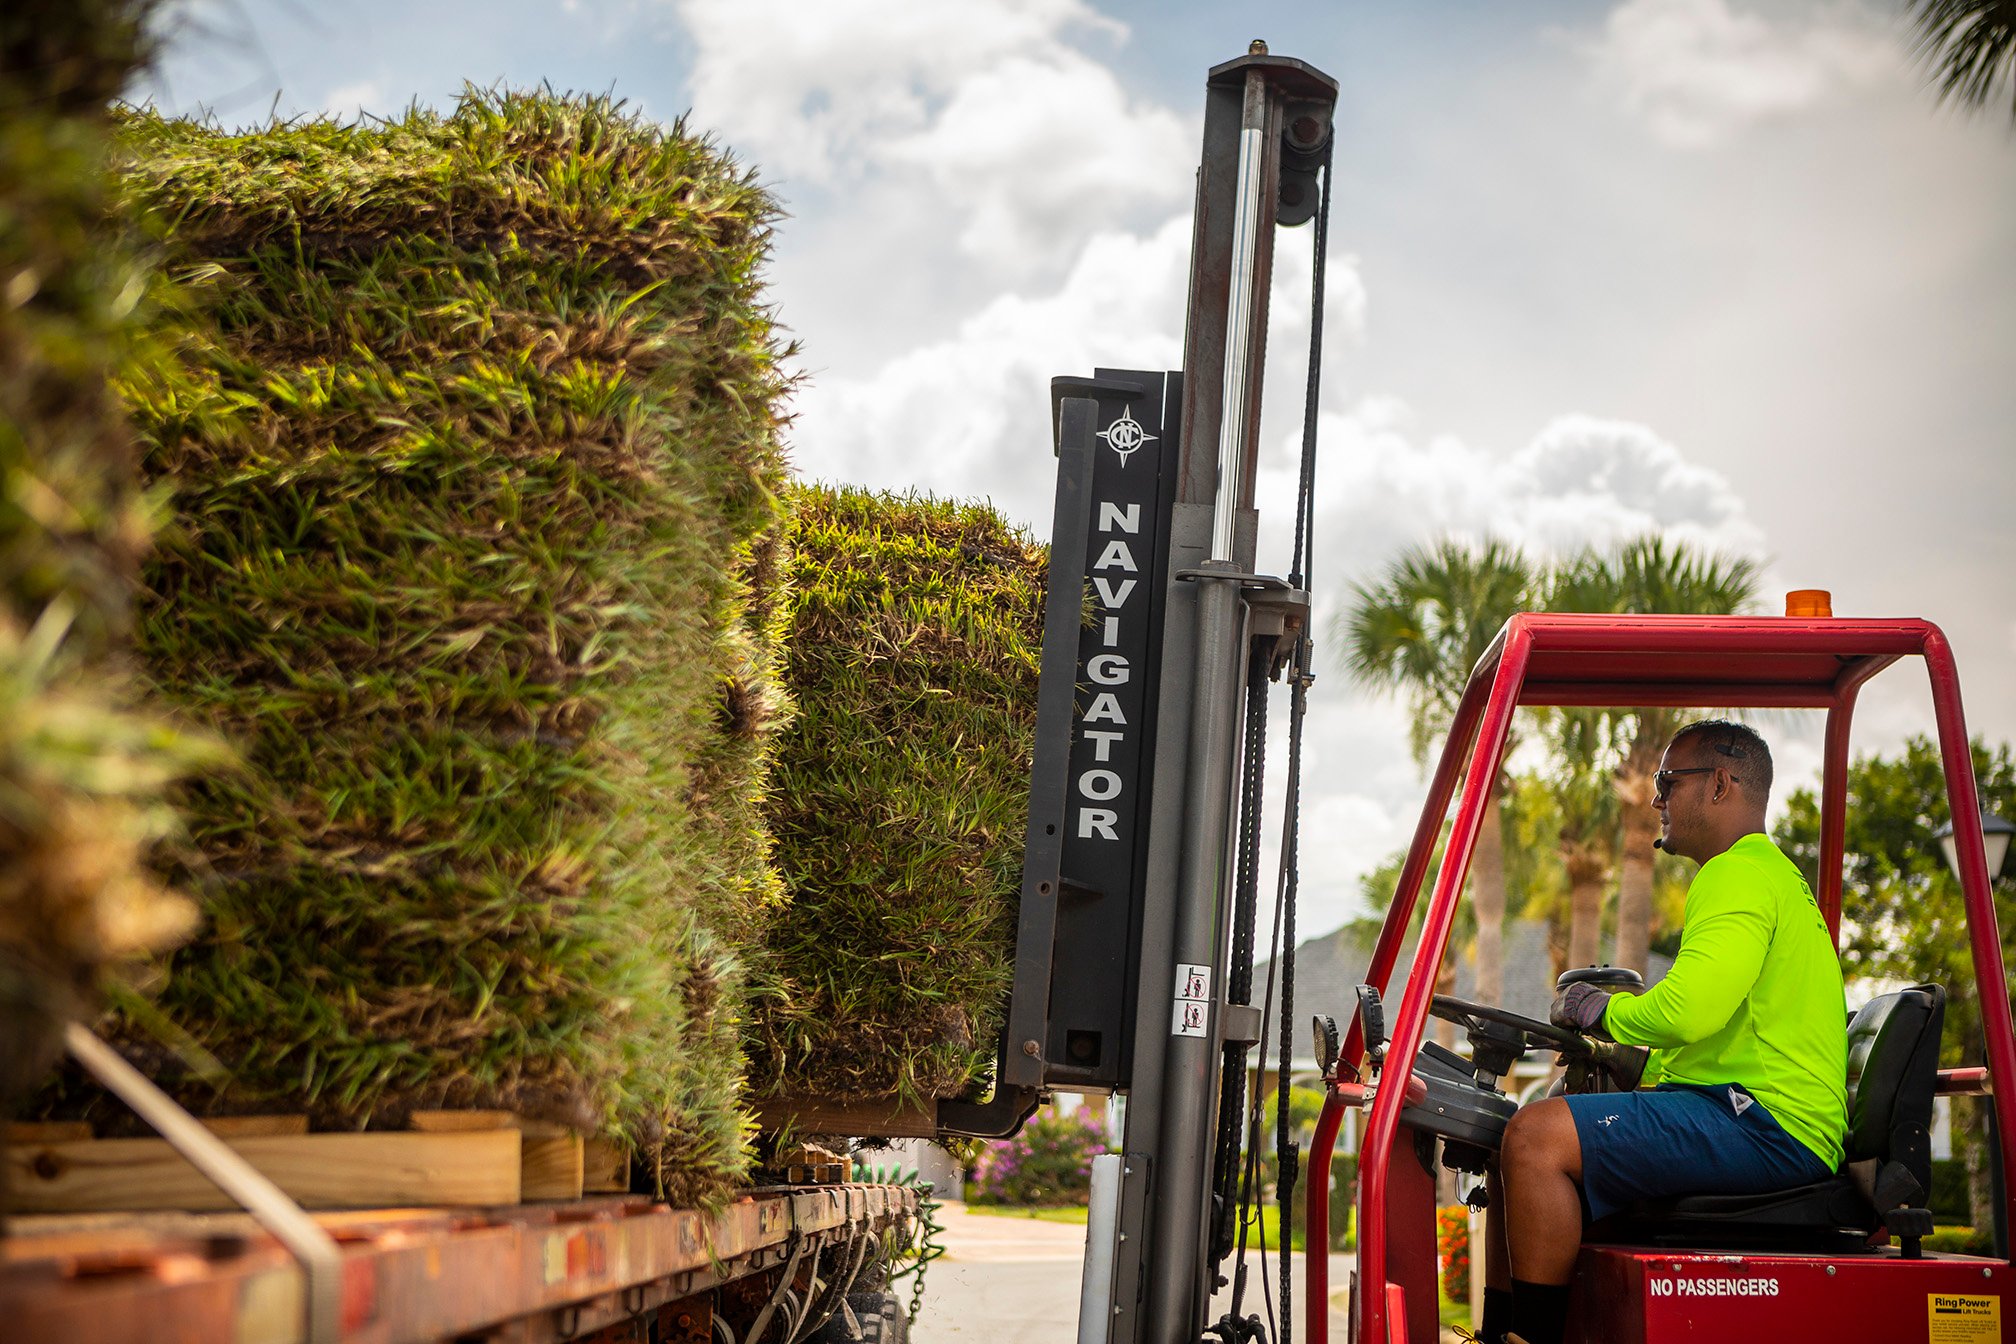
x=533, y=1274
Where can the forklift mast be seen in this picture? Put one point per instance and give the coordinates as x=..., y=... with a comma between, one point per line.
x=1135, y=952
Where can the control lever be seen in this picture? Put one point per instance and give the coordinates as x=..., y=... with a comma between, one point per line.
x=1372, y=1019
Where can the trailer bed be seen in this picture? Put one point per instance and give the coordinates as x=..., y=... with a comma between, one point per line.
x=528, y=1274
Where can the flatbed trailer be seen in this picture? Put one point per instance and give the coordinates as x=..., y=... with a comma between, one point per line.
x=772, y=1266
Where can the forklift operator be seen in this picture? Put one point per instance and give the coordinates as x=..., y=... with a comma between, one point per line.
x=1748, y=1041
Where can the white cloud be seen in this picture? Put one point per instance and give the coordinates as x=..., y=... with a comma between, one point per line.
x=1583, y=480
x=1699, y=71
x=362, y=96
x=1580, y=481
x=984, y=108
x=970, y=413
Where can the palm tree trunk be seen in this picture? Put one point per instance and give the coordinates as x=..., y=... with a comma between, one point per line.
x=1585, y=905
x=1488, y=889
x=1634, y=866
x=1557, y=946
x=1974, y=1134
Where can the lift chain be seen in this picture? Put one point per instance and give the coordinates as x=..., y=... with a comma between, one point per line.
x=1230, y=1193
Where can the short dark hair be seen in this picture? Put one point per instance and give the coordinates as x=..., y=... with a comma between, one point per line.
x=1740, y=742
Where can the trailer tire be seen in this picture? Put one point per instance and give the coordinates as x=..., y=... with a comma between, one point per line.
x=881, y=1315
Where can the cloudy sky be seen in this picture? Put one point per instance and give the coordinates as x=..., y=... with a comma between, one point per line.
x=1717, y=267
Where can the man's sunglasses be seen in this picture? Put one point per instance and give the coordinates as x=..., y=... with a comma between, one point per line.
x=1662, y=782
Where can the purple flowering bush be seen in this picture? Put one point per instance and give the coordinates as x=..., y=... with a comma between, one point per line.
x=1049, y=1162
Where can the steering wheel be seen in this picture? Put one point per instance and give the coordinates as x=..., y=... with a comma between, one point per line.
x=1472, y=1016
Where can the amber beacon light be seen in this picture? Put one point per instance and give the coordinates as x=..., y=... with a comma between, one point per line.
x=1809, y=602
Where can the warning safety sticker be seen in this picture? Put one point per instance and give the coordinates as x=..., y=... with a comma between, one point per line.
x=1962, y=1318
x=1193, y=989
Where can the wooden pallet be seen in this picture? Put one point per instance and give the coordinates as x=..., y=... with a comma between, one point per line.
x=444, y=1158
x=809, y=1164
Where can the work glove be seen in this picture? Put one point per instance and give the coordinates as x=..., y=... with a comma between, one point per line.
x=1580, y=1007
x=1624, y=1063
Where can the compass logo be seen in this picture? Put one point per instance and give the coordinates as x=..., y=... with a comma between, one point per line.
x=1125, y=435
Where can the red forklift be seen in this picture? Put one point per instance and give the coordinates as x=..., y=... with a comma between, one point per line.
x=1143, y=967
x=1812, y=1263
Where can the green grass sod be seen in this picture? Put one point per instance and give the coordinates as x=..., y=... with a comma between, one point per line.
x=475, y=473
x=900, y=796
x=83, y=765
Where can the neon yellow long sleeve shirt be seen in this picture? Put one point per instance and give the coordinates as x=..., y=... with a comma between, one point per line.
x=1754, y=998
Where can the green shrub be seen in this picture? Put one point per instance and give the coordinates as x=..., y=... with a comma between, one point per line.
x=1305, y=1108
x=1452, y=1250
x=1949, y=1199
x=1343, y=1202
x=1048, y=1162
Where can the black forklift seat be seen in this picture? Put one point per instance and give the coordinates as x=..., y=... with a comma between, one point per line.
x=1893, y=1061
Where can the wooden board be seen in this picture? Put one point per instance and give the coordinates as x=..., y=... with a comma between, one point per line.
x=551, y=1168
x=320, y=1171
x=552, y=1156
x=465, y=1122
x=809, y=1164
x=48, y=1131
x=224, y=1126
x=819, y=1173
x=460, y=1122
x=605, y=1167
x=887, y=1118
x=255, y=1126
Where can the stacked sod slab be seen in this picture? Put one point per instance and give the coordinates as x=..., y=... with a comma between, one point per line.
x=474, y=477
x=899, y=797
x=82, y=767
x=478, y=556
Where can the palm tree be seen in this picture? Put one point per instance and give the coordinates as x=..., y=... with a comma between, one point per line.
x=1536, y=879
x=1587, y=802
x=1970, y=46
x=1644, y=576
x=1417, y=632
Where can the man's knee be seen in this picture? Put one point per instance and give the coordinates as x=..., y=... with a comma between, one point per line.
x=1543, y=1136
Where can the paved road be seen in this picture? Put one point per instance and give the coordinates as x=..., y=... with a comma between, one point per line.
x=1016, y=1280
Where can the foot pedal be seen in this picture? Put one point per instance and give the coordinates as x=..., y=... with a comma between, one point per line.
x=1910, y=1227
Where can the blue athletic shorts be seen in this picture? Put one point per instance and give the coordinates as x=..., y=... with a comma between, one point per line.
x=1679, y=1139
